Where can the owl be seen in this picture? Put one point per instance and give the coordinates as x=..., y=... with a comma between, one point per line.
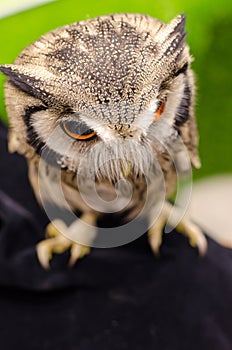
x=111, y=96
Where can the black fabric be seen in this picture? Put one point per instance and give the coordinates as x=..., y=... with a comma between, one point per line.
x=121, y=298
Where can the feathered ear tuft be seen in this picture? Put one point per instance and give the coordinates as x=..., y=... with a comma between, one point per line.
x=172, y=38
x=177, y=24
x=30, y=79
x=177, y=33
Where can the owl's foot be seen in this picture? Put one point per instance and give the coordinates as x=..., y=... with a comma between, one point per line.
x=57, y=243
x=185, y=226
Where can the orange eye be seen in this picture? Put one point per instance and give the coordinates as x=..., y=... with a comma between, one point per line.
x=78, y=130
x=159, y=110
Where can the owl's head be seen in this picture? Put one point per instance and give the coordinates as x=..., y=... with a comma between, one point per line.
x=100, y=89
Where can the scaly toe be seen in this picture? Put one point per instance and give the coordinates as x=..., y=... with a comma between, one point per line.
x=52, y=228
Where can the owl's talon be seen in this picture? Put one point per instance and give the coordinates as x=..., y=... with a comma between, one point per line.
x=46, y=248
x=155, y=241
x=44, y=255
x=196, y=237
x=58, y=244
x=155, y=247
x=155, y=234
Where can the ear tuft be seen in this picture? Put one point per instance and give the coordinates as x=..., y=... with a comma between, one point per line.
x=27, y=78
x=173, y=38
x=177, y=24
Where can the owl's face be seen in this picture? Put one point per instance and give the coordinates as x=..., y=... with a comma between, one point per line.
x=100, y=90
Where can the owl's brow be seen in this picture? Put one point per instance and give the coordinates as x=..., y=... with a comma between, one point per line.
x=70, y=115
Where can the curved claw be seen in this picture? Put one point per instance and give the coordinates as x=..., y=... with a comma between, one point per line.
x=77, y=252
x=44, y=254
x=155, y=235
x=196, y=237
x=155, y=241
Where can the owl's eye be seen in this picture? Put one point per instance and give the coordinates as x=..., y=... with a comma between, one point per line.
x=159, y=110
x=78, y=130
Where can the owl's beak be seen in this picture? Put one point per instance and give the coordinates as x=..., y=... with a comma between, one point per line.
x=126, y=169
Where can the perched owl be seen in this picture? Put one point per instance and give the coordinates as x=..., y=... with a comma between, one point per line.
x=116, y=85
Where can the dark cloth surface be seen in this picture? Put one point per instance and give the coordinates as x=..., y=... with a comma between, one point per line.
x=120, y=298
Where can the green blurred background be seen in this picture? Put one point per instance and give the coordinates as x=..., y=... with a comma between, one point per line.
x=209, y=25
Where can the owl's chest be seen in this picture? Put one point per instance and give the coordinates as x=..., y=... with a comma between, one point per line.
x=102, y=196
x=126, y=198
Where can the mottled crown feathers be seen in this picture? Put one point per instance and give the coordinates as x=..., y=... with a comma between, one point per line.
x=107, y=59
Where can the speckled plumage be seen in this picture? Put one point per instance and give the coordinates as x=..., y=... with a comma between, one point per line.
x=111, y=73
